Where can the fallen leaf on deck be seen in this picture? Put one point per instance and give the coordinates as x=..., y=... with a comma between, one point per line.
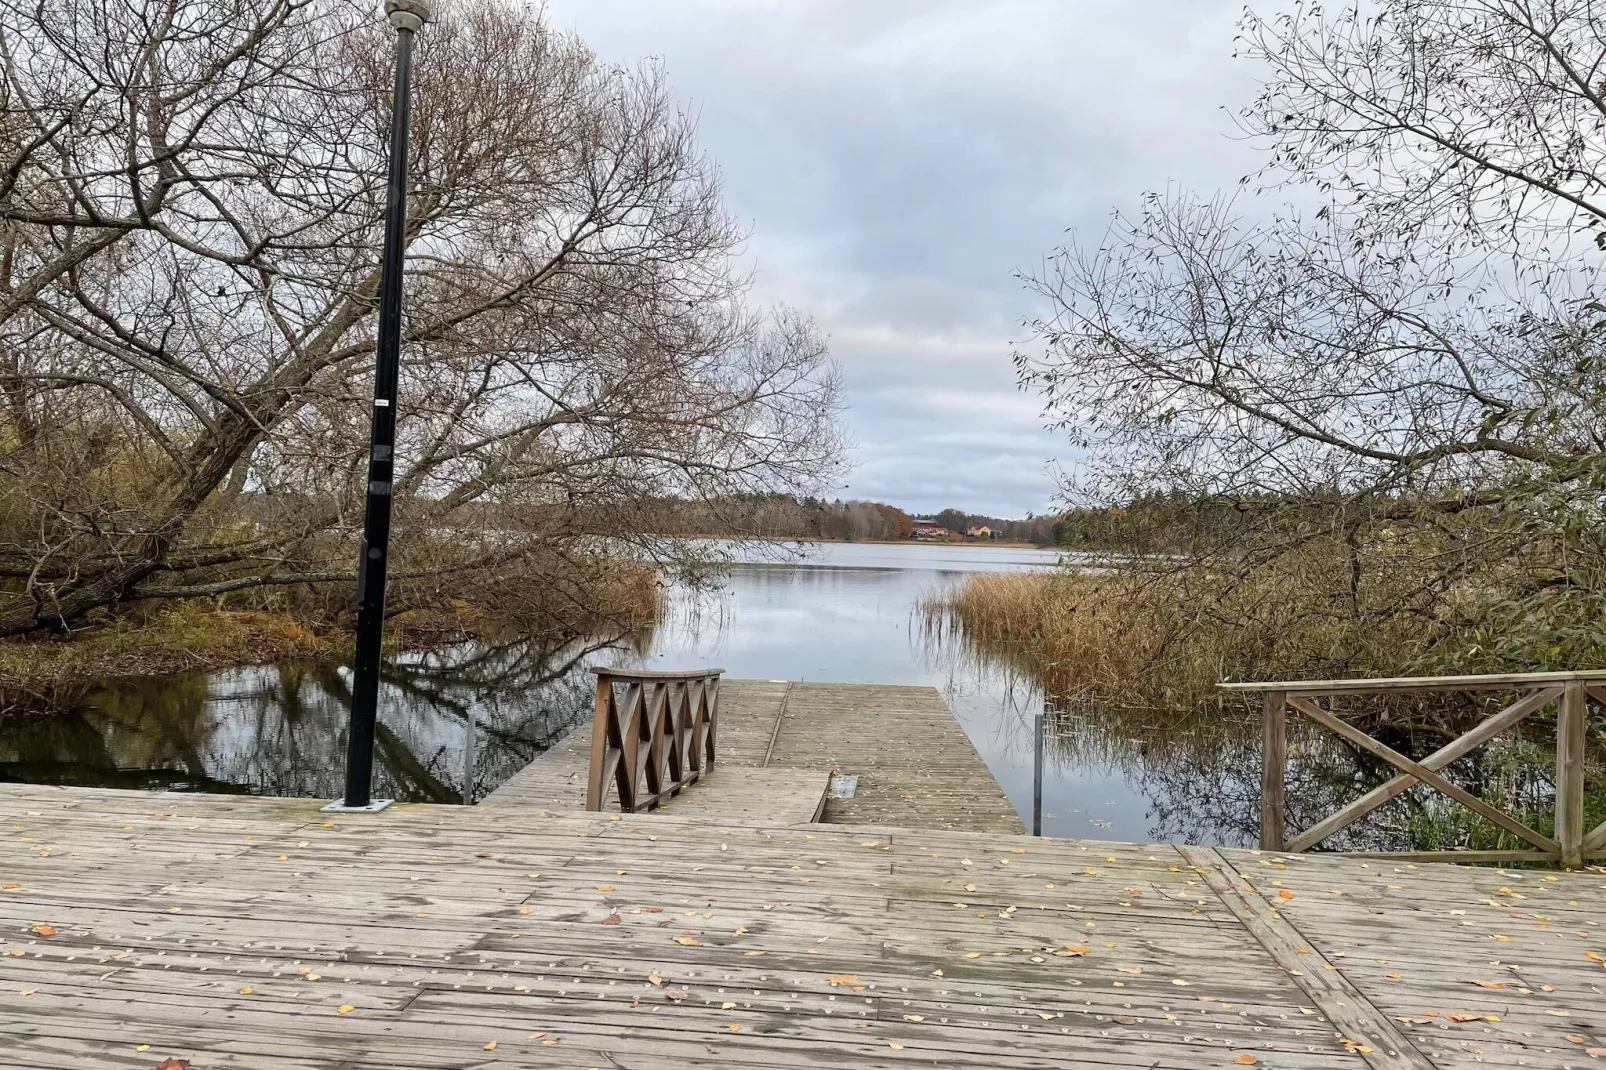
x=842, y=979
x=654, y=979
x=490, y=1047
x=677, y=993
x=1130, y=969
x=604, y=887
x=688, y=941
x=247, y=990
x=173, y=1064
x=612, y=919
x=41, y=929
x=1489, y=984
x=727, y=1006
x=914, y=1017
x=344, y=1008
x=1285, y=894
x=1246, y=1060
x=734, y=1028
x=526, y=910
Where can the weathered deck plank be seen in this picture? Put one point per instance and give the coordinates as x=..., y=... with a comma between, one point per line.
x=232, y=931
x=916, y=767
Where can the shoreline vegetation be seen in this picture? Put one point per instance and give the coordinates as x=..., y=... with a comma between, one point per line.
x=44, y=673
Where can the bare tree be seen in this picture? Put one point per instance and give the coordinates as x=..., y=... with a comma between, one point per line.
x=1410, y=359
x=189, y=276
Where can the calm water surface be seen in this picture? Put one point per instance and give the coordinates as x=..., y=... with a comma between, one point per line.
x=455, y=723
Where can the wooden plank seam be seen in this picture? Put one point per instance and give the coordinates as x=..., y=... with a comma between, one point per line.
x=1334, y=995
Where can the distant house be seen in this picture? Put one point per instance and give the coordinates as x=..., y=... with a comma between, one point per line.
x=979, y=533
x=927, y=529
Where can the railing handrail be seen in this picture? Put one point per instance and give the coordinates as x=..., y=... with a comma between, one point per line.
x=654, y=742
x=1484, y=682
x=653, y=674
x=1569, y=691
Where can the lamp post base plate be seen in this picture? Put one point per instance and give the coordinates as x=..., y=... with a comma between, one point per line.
x=339, y=807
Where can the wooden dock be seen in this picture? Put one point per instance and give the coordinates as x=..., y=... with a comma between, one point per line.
x=915, y=766
x=143, y=930
x=250, y=932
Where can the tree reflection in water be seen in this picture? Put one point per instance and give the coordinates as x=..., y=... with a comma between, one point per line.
x=280, y=729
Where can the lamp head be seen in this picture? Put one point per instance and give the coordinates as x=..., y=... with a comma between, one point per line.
x=408, y=14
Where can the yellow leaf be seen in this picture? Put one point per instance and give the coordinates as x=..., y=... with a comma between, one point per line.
x=604, y=887
x=247, y=990
x=895, y=1047
x=973, y=954
x=914, y=1017
x=344, y=1008
x=1285, y=894
x=1047, y=1017
x=1394, y=976
x=727, y=1006
x=41, y=929
x=734, y=1028
x=142, y=1047
x=843, y=979
x=752, y=954
x=654, y=979
x=490, y=1047
x=1246, y=1060
x=526, y=910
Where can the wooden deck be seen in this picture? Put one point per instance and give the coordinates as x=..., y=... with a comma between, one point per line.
x=915, y=765
x=242, y=932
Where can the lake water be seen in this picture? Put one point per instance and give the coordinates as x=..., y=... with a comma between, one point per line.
x=455, y=723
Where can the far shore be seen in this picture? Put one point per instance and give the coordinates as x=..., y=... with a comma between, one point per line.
x=1002, y=544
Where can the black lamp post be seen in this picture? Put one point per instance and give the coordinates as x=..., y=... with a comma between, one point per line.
x=407, y=17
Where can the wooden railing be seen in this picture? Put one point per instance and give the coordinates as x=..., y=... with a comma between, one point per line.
x=1571, y=691
x=653, y=735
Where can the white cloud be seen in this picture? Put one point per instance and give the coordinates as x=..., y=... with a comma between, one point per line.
x=898, y=160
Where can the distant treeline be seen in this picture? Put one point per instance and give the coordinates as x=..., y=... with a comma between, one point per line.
x=784, y=517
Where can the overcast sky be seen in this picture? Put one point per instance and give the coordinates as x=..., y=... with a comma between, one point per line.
x=898, y=160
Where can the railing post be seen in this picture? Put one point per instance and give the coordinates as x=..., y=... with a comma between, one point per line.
x=595, y=788
x=1275, y=756
x=1570, y=774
